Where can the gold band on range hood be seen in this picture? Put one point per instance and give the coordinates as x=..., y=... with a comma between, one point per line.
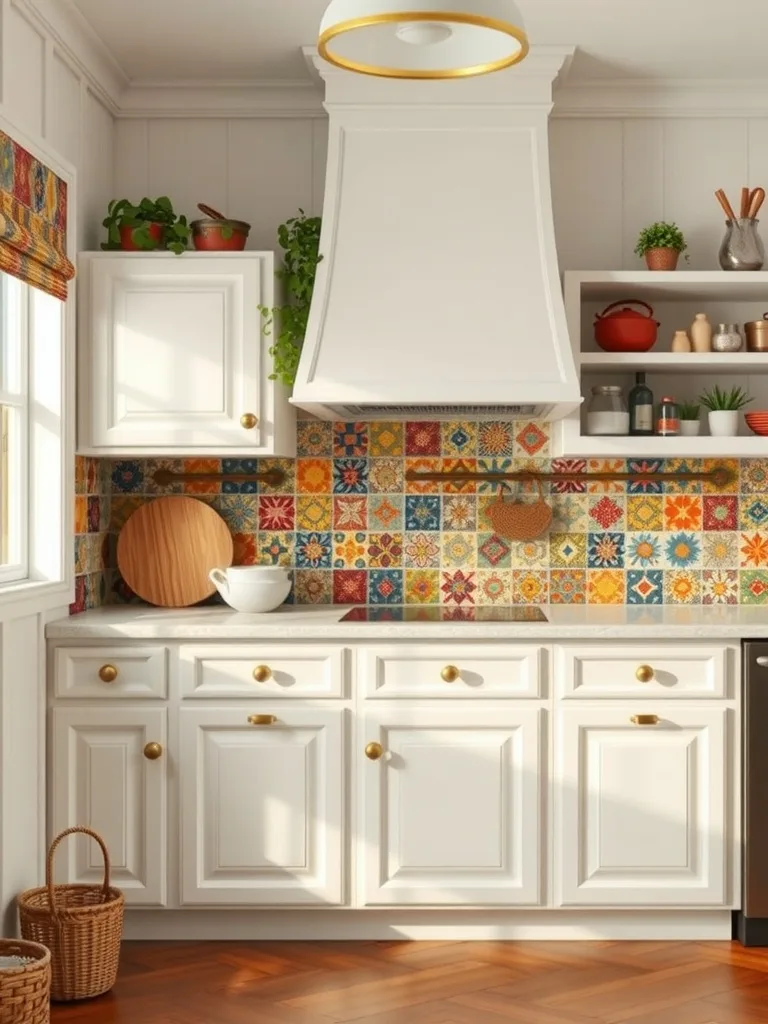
x=399, y=17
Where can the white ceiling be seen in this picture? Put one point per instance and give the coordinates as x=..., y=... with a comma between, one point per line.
x=260, y=39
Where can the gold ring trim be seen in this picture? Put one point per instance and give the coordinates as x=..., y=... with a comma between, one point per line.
x=448, y=16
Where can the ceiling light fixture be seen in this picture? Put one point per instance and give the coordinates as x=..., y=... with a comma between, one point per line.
x=438, y=40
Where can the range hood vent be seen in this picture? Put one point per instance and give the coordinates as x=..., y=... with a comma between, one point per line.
x=439, y=291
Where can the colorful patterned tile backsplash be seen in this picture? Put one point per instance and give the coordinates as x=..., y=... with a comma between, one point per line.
x=355, y=532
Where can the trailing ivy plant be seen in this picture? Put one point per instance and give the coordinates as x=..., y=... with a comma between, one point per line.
x=661, y=235
x=299, y=237
x=123, y=213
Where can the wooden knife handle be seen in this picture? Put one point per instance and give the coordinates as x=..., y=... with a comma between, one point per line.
x=746, y=197
x=755, y=202
x=722, y=198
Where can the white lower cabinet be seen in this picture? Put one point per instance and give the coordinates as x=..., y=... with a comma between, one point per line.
x=262, y=819
x=643, y=812
x=450, y=806
x=109, y=774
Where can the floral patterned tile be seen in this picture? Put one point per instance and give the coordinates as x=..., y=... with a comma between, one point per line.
x=313, y=586
x=421, y=550
x=754, y=476
x=459, y=512
x=275, y=548
x=494, y=586
x=422, y=465
x=530, y=586
x=682, y=586
x=422, y=512
x=422, y=438
x=681, y=549
x=459, y=550
x=645, y=512
x=458, y=587
x=277, y=512
x=607, y=512
x=314, y=476
x=720, y=586
x=459, y=438
x=128, y=475
x=721, y=550
x=386, y=476
x=531, y=438
x=605, y=551
x=570, y=513
x=577, y=466
x=239, y=511
x=464, y=465
x=753, y=512
x=530, y=554
x=606, y=466
x=643, y=550
x=385, y=586
x=350, y=586
x=754, y=550
x=683, y=512
x=720, y=512
x=314, y=439
x=313, y=512
x=568, y=586
x=385, y=550
x=496, y=438
x=387, y=439
x=422, y=586
x=350, y=550
x=734, y=472
x=350, y=512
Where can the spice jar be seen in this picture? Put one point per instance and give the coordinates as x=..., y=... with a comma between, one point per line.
x=668, y=423
x=607, y=411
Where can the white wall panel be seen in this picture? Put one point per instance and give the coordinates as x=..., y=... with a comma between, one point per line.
x=131, y=159
x=642, y=184
x=64, y=121
x=96, y=179
x=187, y=161
x=23, y=72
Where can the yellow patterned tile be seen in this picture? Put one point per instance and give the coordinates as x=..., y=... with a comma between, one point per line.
x=530, y=587
x=81, y=514
x=459, y=438
x=422, y=586
x=494, y=586
x=314, y=512
x=732, y=465
x=606, y=586
x=386, y=439
x=645, y=512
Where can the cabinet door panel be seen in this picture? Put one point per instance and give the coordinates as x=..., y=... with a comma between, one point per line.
x=451, y=813
x=641, y=810
x=262, y=806
x=102, y=779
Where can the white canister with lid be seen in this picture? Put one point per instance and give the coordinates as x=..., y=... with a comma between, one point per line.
x=607, y=412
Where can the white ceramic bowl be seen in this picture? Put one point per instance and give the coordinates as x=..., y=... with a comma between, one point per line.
x=241, y=573
x=251, y=595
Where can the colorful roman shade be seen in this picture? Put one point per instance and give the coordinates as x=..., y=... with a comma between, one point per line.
x=33, y=221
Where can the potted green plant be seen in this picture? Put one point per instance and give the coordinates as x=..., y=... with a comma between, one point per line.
x=299, y=237
x=151, y=225
x=724, y=409
x=661, y=244
x=690, y=424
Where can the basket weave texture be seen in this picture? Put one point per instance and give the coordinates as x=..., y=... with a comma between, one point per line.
x=518, y=520
x=25, y=991
x=82, y=925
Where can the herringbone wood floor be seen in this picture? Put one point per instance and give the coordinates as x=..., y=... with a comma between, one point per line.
x=433, y=983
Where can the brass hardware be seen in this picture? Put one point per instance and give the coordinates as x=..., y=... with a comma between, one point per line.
x=262, y=719
x=274, y=477
x=262, y=673
x=248, y=421
x=644, y=719
x=374, y=751
x=644, y=673
x=450, y=674
x=107, y=673
x=720, y=476
x=152, y=751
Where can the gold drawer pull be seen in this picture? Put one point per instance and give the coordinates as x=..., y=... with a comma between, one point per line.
x=153, y=751
x=374, y=751
x=644, y=719
x=248, y=421
x=450, y=674
x=262, y=719
x=644, y=673
x=262, y=673
x=107, y=673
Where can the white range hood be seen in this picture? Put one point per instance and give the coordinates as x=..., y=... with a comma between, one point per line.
x=439, y=291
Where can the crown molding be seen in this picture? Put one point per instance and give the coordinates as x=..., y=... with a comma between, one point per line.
x=241, y=98
x=662, y=98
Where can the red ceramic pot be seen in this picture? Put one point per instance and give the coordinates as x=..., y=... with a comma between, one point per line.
x=211, y=235
x=621, y=329
x=126, y=236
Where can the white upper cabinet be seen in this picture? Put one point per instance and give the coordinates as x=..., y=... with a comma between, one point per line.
x=173, y=357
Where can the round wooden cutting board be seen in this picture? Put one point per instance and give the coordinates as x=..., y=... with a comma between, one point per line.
x=167, y=548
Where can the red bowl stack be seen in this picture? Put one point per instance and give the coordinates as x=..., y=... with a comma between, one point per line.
x=757, y=422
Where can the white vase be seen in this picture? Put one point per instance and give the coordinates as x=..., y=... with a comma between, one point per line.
x=690, y=428
x=723, y=422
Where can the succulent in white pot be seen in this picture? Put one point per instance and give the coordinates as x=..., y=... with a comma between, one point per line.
x=724, y=407
x=690, y=424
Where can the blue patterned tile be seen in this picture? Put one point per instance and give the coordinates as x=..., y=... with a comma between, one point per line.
x=605, y=551
x=645, y=466
x=239, y=466
x=385, y=586
x=422, y=512
x=314, y=550
x=350, y=476
x=645, y=587
x=127, y=476
x=682, y=550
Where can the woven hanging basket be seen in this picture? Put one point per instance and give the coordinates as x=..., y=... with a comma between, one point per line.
x=82, y=925
x=520, y=520
x=25, y=990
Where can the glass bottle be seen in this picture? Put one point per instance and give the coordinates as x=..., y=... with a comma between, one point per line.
x=640, y=408
x=607, y=411
x=668, y=424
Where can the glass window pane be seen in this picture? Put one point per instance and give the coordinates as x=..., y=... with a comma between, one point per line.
x=13, y=488
x=12, y=334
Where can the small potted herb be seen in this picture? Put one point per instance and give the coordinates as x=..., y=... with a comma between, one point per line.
x=724, y=409
x=690, y=424
x=300, y=238
x=661, y=245
x=152, y=225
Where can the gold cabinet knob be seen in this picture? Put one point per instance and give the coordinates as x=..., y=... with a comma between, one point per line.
x=107, y=673
x=262, y=719
x=450, y=674
x=374, y=751
x=644, y=673
x=262, y=673
x=248, y=421
x=644, y=719
x=152, y=751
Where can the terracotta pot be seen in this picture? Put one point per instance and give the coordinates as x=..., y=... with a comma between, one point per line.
x=621, y=329
x=209, y=235
x=126, y=236
x=662, y=259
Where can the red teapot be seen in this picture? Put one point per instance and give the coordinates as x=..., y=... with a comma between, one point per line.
x=621, y=329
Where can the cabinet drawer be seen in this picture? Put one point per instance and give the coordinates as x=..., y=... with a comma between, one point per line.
x=641, y=671
x=452, y=670
x=262, y=670
x=111, y=672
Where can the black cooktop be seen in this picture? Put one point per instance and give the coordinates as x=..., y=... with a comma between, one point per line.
x=444, y=613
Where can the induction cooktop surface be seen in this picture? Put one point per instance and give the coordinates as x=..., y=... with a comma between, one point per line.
x=444, y=613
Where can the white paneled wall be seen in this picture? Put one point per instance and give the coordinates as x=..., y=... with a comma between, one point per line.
x=611, y=176
x=45, y=95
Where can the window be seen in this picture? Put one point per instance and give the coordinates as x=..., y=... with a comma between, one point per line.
x=14, y=422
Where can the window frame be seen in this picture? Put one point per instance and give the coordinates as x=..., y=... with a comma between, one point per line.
x=14, y=443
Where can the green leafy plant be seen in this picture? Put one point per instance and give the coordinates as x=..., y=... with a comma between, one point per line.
x=717, y=400
x=299, y=237
x=123, y=213
x=661, y=235
x=689, y=410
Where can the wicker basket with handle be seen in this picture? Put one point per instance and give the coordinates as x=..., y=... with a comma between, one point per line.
x=519, y=520
x=25, y=990
x=82, y=925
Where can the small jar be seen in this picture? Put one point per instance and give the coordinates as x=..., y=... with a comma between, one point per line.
x=607, y=411
x=668, y=423
x=727, y=338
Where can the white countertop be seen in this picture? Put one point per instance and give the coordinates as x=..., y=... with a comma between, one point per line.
x=322, y=623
